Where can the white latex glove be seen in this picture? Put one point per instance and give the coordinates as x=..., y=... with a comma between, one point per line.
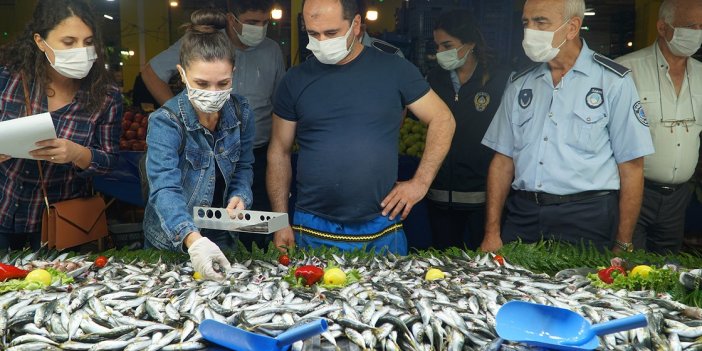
x=203, y=254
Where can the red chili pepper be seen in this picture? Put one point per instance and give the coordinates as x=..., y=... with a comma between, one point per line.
x=100, y=261
x=311, y=274
x=284, y=260
x=605, y=274
x=499, y=259
x=11, y=272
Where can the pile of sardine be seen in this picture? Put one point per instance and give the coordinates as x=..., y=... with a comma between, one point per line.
x=138, y=306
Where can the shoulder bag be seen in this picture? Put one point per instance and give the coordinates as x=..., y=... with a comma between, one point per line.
x=73, y=222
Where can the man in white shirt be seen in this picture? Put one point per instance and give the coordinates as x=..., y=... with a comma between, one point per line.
x=669, y=83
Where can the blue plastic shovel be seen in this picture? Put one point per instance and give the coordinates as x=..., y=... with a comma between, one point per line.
x=556, y=328
x=241, y=340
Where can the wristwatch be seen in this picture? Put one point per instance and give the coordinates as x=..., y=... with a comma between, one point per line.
x=628, y=247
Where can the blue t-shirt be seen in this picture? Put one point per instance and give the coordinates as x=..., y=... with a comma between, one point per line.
x=348, y=124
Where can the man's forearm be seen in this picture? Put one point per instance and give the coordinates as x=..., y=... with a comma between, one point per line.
x=158, y=88
x=500, y=175
x=439, y=135
x=630, y=197
x=278, y=178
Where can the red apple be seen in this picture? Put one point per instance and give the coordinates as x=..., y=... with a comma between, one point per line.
x=128, y=116
x=130, y=135
x=141, y=133
x=135, y=126
x=123, y=144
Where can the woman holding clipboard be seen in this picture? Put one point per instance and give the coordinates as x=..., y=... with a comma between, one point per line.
x=59, y=60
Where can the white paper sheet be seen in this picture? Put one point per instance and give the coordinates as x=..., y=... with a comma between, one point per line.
x=19, y=136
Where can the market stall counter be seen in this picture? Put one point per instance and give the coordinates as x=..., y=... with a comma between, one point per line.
x=431, y=300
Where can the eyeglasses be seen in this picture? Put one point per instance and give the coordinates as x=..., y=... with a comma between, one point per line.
x=672, y=123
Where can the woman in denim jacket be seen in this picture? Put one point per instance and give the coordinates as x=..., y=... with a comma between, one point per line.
x=214, y=167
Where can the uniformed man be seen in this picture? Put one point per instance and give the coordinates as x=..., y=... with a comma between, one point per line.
x=669, y=82
x=369, y=41
x=570, y=135
x=381, y=45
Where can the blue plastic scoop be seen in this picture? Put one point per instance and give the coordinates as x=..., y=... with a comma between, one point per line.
x=556, y=328
x=241, y=340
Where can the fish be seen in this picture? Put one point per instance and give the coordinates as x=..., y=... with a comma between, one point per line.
x=137, y=305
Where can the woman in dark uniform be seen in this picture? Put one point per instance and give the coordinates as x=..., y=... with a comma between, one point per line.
x=472, y=86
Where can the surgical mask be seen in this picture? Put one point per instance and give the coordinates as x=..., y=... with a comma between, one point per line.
x=685, y=41
x=73, y=63
x=207, y=101
x=537, y=44
x=449, y=60
x=251, y=35
x=331, y=51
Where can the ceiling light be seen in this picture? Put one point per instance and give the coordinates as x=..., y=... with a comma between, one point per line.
x=174, y=4
x=277, y=14
x=372, y=15
x=589, y=13
x=108, y=17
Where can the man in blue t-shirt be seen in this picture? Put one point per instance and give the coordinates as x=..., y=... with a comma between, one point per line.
x=344, y=107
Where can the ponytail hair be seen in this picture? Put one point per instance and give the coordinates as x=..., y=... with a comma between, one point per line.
x=204, y=38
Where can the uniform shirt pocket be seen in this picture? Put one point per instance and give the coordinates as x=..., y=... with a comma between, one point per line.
x=588, y=131
x=521, y=125
x=651, y=104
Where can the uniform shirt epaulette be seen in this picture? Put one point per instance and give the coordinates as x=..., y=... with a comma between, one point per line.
x=611, y=65
x=385, y=47
x=523, y=72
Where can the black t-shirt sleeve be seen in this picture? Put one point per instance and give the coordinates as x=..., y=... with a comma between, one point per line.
x=410, y=82
x=284, y=105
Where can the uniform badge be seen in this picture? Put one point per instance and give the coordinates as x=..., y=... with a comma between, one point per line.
x=525, y=97
x=594, y=98
x=481, y=101
x=640, y=114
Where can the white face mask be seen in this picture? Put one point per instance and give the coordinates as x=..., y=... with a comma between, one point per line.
x=73, y=63
x=207, y=101
x=449, y=60
x=685, y=41
x=537, y=44
x=331, y=51
x=251, y=35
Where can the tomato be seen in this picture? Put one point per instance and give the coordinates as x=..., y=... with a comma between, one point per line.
x=605, y=274
x=499, y=259
x=284, y=260
x=101, y=261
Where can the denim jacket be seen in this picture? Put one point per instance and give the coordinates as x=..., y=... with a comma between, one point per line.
x=177, y=183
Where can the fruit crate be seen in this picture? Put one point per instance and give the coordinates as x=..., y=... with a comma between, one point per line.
x=126, y=234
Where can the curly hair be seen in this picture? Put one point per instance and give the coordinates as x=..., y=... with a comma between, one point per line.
x=22, y=54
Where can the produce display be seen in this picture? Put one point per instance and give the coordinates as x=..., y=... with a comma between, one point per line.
x=134, y=124
x=433, y=301
x=413, y=135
